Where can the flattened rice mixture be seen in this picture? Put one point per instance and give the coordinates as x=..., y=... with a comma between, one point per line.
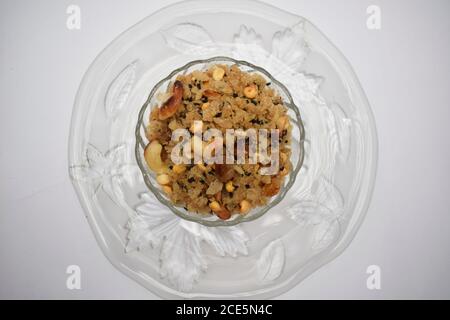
x=223, y=97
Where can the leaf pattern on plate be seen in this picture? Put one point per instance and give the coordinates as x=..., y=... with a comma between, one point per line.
x=105, y=171
x=305, y=87
x=271, y=261
x=248, y=46
x=290, y=46
x=340, y=131
x=119, y=90
x=179, y=241
x=188, y=38
x=321, y=208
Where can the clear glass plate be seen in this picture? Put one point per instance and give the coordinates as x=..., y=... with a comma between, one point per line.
x=320, y=212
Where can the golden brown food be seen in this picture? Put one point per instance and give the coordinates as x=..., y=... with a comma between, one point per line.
x=171, y=106
x=222, y=97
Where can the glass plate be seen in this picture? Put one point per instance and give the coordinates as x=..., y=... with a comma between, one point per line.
x=320, y=212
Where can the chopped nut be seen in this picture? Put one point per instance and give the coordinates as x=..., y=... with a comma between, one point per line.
x=282, y=123
x=283, y=157
x=245, y=206
x=179, y=168
x=284, y=171
x=170, y=107
x=211, y=93
x=205, y=106
x=173, y=125
x=271, y=189
x=218, y=74
x=229, y=186
x=167, y=189
x=163, y=179
x=215, y=206
x=220, y=211
x=238, y=169
x=202, y=167
x=251, y=91
x=266, y=179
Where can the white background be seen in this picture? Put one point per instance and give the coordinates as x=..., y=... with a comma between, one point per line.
x=404, y=69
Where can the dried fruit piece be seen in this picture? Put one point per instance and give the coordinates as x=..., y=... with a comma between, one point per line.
x=223, y=214
x=219, y=210
x=225, y=172
x=271, y=189
x=211, y=93
x=170, y=107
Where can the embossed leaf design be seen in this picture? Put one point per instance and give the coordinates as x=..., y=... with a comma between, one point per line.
x=290, y=46
x=95, y=159
x=271, y=261
x=305, y=87
x=289, y=49
x=324, y=196
x=181, y=256
x=104, y=171
x=247, y=36
x=84, y=173
x=340, y=131
x=226, y=240
x=119, y=90
x=248, y=46
x=188, y=38
x=181, y=259
x=322, y=209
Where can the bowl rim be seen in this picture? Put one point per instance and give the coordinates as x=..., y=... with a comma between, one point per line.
x=190, y=216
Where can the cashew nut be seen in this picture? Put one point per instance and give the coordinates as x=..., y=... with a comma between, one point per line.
x=152, y=155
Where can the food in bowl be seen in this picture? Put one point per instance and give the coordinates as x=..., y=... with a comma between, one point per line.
x=220, y=108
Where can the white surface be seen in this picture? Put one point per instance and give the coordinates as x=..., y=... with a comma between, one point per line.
x=404, y=69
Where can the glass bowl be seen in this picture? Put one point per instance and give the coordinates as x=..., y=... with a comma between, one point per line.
x=149, y=176
x=317, y=216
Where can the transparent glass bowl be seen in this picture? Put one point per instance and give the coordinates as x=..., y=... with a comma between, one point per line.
x=320, y=212
x=298, y=137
